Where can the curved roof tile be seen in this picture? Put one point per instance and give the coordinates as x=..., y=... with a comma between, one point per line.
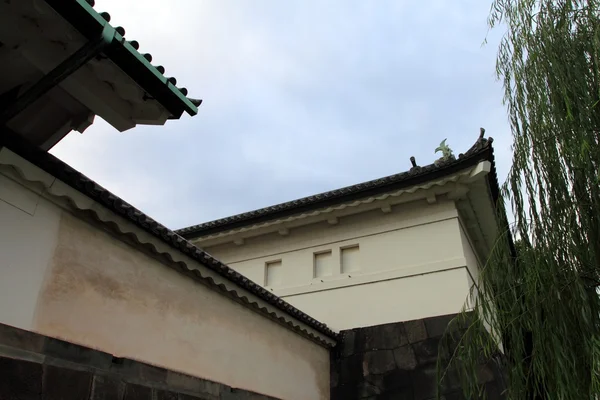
x=482, y=149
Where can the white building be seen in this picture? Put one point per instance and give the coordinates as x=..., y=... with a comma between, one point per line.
x=402, y=247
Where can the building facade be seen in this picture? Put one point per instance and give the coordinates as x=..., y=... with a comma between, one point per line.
x=399, y=248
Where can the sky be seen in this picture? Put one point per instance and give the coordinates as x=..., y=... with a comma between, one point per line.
x=300, y=97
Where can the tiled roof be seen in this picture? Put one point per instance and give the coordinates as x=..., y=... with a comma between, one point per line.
x=91, y=189
x=482, y=149
x=125, y=54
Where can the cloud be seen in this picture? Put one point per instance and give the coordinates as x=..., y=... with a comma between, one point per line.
x=299, y=97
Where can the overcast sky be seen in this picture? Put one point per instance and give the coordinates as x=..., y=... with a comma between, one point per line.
x=300, y=97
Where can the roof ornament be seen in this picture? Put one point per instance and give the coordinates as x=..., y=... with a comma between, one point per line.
x=479, y=145
x=447, y=154
x=413, y=161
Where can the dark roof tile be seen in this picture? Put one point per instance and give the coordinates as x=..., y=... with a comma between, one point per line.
x=482, y=149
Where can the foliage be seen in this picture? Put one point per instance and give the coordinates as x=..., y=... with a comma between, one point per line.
x=539, y=298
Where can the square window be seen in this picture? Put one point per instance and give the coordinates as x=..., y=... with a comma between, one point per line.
x=273, y=273
x=323, y=264
x=350, y=259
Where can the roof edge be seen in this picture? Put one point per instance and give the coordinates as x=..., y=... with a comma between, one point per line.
x=82, y=16
x=341, y=209
x=88, y=188
x=481, y=150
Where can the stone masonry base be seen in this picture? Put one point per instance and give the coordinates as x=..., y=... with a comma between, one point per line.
x=398, y=361
x=36, y=367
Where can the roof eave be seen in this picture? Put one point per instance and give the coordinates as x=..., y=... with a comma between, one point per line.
x=464, y=162
x=90, y=24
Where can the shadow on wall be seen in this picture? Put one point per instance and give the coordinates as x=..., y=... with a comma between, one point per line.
x=398, y=361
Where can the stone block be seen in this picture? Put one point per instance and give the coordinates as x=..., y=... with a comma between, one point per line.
x=375, y=380
x=396, y=379
x=237, y=394
x=181, y=382
x=151, y=374
x=351, y=369
x=365, y=389
x=404, y=393
x=21, y=339
x=137, y=392
x=415, y=330
x=334, y=372
x=426, y=351
x=20, y=380
x=347, y=391
x=493, y=391
x=87, y=357
x=450, y=381
x=210, y=389
x=182, y=396
x=13, y=352
x=66, y=384
x=436, y=326
x=347, y=345
x=378, y=362
x=405, y=358
x=139, y=372
x=425, y=382
x=382, y=337
x=485, y=374
x=458, y=395
x=164, y=395
x=107, y=388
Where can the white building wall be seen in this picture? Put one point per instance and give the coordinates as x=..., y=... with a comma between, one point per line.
x=28, y=236
x=473, y=264
x=410, y=264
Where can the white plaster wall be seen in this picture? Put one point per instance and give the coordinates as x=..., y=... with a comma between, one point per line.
x=412, y=265
x=473, y=264
x=65, y=278
x=413, y=234
x=28, y=233
x=349, y=227
x=385, y=301
x=474, y=271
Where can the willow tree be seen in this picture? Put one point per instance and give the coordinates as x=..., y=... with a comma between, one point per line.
x=539, y=299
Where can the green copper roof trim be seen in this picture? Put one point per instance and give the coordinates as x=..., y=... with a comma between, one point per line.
x=91, y=24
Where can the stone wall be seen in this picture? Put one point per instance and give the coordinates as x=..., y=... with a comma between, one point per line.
x=398, y=361
x=35, y=367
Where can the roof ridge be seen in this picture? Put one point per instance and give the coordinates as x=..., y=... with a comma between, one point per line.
x=220, y=224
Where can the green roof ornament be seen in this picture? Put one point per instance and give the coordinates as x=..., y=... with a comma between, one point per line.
x=447, y=154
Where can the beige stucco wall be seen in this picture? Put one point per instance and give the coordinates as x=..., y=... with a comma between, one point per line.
x=28, y=237
x=385, y=301
x=66, y=278
x=412, y=265
x=473, y=264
